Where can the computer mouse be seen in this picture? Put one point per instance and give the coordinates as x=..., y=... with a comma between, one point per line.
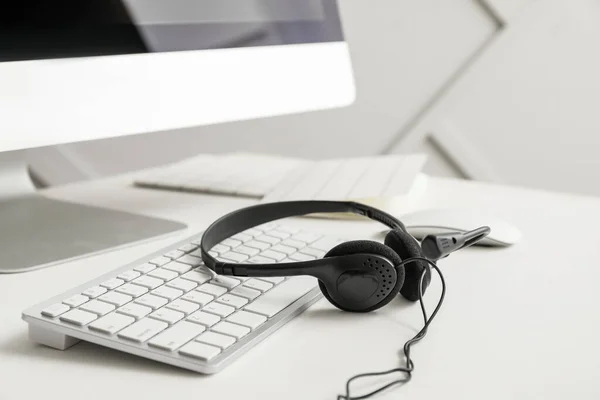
x=422, y=223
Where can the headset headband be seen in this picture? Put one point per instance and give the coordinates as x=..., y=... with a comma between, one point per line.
x=246, y=218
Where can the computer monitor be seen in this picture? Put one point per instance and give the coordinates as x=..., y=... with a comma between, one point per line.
x=74, y=70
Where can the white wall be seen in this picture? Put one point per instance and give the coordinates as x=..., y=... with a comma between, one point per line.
x=526, y=112
x=404, y=52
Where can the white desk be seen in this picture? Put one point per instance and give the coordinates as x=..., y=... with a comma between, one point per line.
x=520, y=323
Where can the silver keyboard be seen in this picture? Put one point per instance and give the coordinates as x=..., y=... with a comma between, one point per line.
x=169, y=307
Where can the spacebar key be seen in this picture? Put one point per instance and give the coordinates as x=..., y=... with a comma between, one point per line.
x=275, y=300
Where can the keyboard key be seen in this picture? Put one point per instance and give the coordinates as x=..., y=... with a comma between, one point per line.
x=185, y=307
x=175, y=337
x=197, y=276
x=178, y=267
x=197, y=297
x=94, y=292
x=143, y=330
x=132, y=290
x=242, y=237
x=302, y=257
x=212, y=289
x=288, y=229
x=203, y=318
x=112, y=283
x=326, y=243
x=76, y=300
x=163, y=274
x=206, y=271
x=245, y=292
x=231, y=242
x=186, y=248
x=136, y=311
x=247, y=319
x=216, y=339
x=306, y=237
x=148, y=282
x=196, y=253
x=174, y=254
x=268, y=239
x=182, y=284
x=237, y=331
x=166, y=315
x=257, y=245
x=275, y=255
x=312, y=252
x=55, y=310
x=294, y=243
x=145, y=268
x=151, y=301
x=167, y=292
x=232, y=256
x=190, y=260
x=249, y=251
x=267, y=227
x=284, y=249
x=226, y=281
x=160, y=261
x=220, y=248
x=231, y=300
x=253, y=232
x=279, y=234
x=129, y=275
x=281, y=296
x=111, y=323
x=78, y=317
x=261, y=260
x=218, y=309
x=201, y=351
x=274, y=280
x=97, y=307
x=118, y=299
x=258, y=285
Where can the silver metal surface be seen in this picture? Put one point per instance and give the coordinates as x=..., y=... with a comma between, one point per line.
x=37, y=232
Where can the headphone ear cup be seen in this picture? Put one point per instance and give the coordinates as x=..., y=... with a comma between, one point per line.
x=407, y=247
x=366, y=247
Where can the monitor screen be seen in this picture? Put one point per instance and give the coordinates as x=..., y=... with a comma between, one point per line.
x=39, y=29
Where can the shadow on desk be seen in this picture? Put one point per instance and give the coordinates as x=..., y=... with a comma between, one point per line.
x=85, y=353
x=393, y=312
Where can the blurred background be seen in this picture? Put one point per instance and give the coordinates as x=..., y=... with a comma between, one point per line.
x=504, y=91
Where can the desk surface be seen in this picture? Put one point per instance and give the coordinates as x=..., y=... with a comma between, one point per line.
x=517, y=323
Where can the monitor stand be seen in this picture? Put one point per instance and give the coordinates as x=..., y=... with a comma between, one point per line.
x=37, y=232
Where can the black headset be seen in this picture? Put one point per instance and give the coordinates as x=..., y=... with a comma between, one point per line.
x=356, y=276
